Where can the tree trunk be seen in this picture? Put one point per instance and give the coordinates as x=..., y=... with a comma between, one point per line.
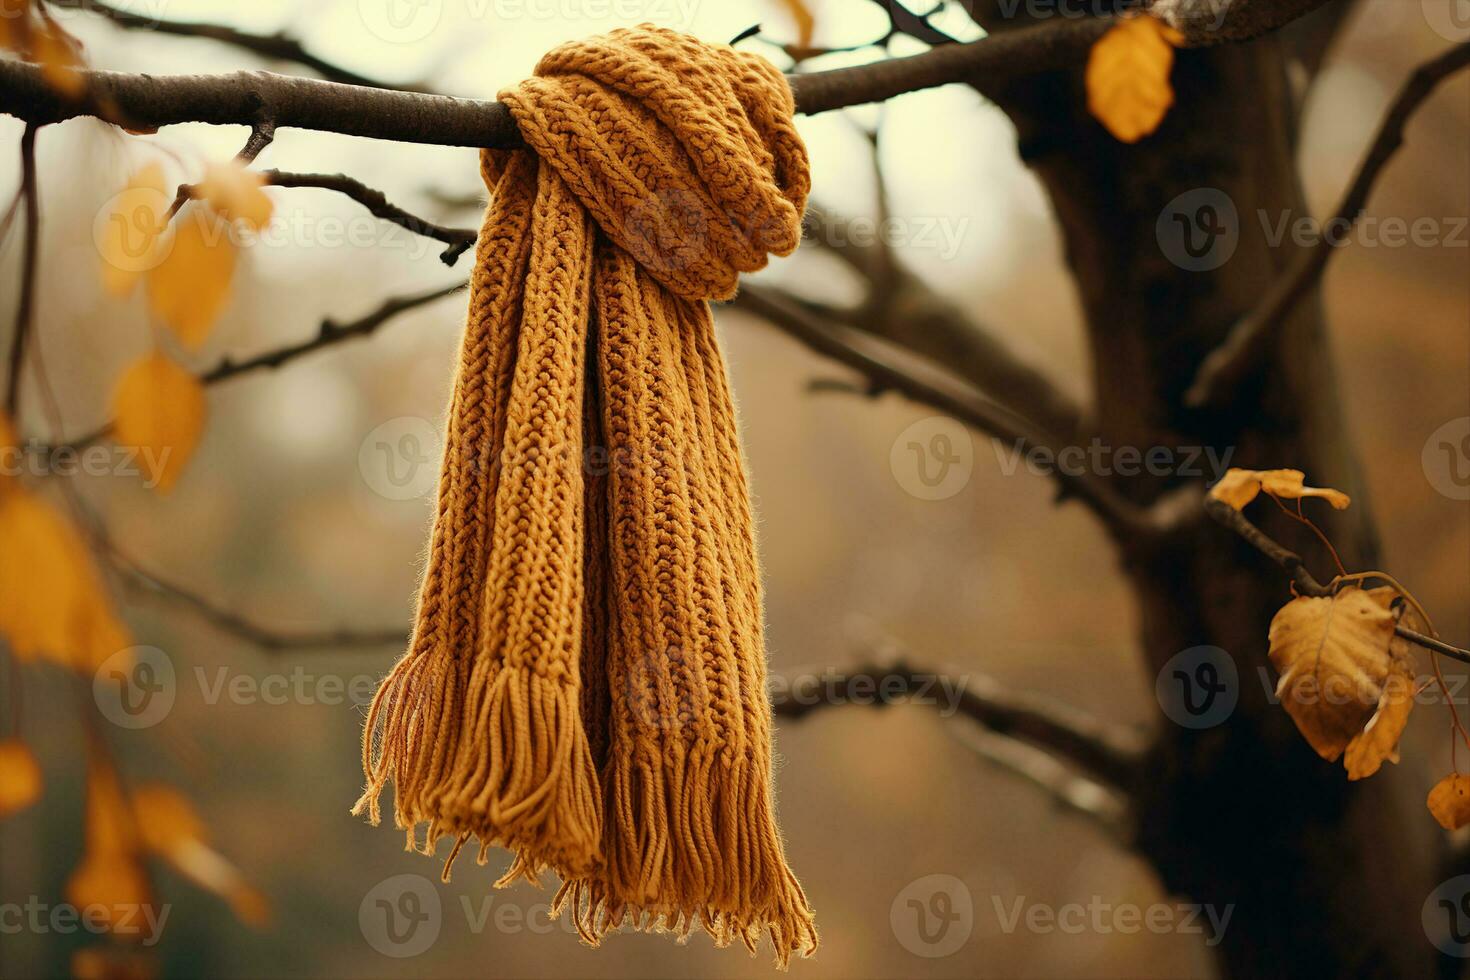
x=1326, y=877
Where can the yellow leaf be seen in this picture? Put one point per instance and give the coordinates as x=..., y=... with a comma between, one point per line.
x=51, y=599
x=8, y=443
x=59, y=57
x=1449, y=801
x=1127, y=76
x=1333, y=658
x=189, y=288
x=235, y=193
x=1379, y=739
x=158, y=407
x=170, y=828
x=20, y=776
x=118, y=884
x=1239, y=487
x=806, y=24
x=130, y=232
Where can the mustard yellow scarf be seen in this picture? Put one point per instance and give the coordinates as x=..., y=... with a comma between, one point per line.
x=586, y=682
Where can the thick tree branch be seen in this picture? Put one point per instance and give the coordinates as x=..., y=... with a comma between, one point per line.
x=278, y=46
x=1107, y=754
x=1249, y=341
x=1306, y=583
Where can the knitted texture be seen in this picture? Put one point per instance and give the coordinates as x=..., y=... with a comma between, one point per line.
x=586, y=682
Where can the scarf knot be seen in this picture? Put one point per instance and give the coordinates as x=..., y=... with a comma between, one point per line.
x=683, y=153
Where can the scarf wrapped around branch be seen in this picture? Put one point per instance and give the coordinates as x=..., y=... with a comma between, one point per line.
x=586, y=682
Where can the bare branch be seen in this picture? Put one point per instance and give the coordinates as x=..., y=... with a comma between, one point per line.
x=1306, y=583
x=1109, y=755
x=457, y=240
x=1250, y=340
x=1118, y=514
x=147, y=102
x=278, y=46
x=25, y=310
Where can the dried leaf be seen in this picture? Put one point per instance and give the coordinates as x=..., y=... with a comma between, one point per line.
x=189, y=288
x=170, y=828
x=60, y=57
x=1379, y=739
x=111, y=874
x=159, y=408
x=20, y=776
x=1334, y=661
x=1239, y=487
x=1449, y=801
x=1128, y=88
x=235, y=193
x=131, y=233
x=806, y=23
x=51, y=599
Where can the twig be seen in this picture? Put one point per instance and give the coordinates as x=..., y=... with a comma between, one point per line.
x=278, y=46
x=330, y=333
x=1108, y=754
x=1118, y=514
x=25, y=308
x=1249, y=340
x=1306, y=583
x=458, y=240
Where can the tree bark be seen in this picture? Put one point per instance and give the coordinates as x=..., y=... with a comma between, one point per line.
x=1327, y=877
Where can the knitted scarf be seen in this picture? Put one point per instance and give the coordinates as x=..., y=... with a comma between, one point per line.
x=586, y=681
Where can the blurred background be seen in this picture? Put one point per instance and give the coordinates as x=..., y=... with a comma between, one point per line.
x=283, y=520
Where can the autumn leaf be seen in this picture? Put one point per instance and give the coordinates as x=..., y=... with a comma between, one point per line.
x=171, y=829
x=806, y=23
x=130, y=233
x=1333, y=657
x=20, y=776
x=60, y=57
x=1239, y=487
x=8, y=441
x=51, y=599
x=1128, y=87
x=1449, y=801
x=159, y=407
x=111, y=874
x=189, y=288
x=1379, y=739
x=235, y=193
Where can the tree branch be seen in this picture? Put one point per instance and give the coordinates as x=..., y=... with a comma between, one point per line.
x=1306, y=583
x=278, y=46
x=1107, y=754
x=1250, y=340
